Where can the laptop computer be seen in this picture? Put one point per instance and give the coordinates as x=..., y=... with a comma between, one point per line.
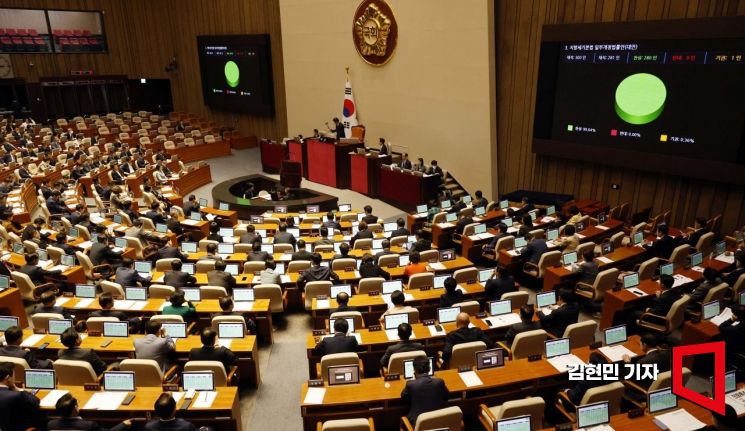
x=516, y=423
x=143, y=267
x=134, y=293
x=232, y=269
x=7, y=321
x=231, y=330
x=198, y=380
x=345, y=207
x=116, y=329
x=491, y=358
x=189, y=247
x=602, y=218
x=497, y=308
x=203, y=202
x=720, y=248
x=58, y=326
x=391, y=321
x=192, y=294
x=225, y=249
x=243, y=295
x=448, y=254
x=545, y=299
x=224, y=206
x=174, y=329
x=637, y=238
x=67, y=260
x=343, y=374
x=479, y=229
x=120, y=381
x=120, y=242
x=195, y=216
x=479, y=211
x=389, y=287
x=557, y=347
x=520, y=242
x=730, y=382
x=85, y=291
x=280, y=209
x=447, y=314
x=485, y=275
x=594, y=414
x=630, y=280
x=40, y=379
x=552, y=234
x=615, y=335
x=389, y=227
x=312, y=209
x=504, y=204
x=697, y=258
x=667, y=269
x=569, y=258
x=403, y=260
x=710, y=309
x=445, y=204
x=161, y=228
x=606, y=248
x=226, y=231
x=663, y=399
x=451, y=217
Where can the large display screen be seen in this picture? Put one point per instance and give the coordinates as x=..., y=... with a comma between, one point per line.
x=237, y=73
x=669, y=104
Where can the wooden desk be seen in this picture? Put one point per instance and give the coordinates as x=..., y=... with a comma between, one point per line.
x=622, y=256
x=364, y=172
x=11, y=304
x=187, y=154
x=229, y=214
x=406, y=190
x=74, y=274
x=134, y=181
x=225, y=412
x=696, y=333
x=246, y=349
x=272, y=154
x=192, y=180
x=328, y=163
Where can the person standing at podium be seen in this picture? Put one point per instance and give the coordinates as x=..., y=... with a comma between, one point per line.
x=383, y=151
x=338, y=128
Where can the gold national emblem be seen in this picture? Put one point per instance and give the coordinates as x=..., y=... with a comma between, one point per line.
x=375, y=31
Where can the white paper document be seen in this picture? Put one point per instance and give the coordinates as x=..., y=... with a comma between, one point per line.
x=62, y=268
x=84, y=303
x=61, y=301
x=726, y=259
x=50, y=400
x=32, y=340
x=205, y=399
x=561, y=363
x=678, y=420
x=604, y=259
x=138, y=305
x=105, y=401
x=470, y=379
x=225, y=342
x=601, y=227
x=724, y=316
x=437, y=266
x=190, y=222
x=85, y=244
x=322, y=303
x=123, y=304
x=434, y=332
x=615, y=353
x=503, y=320
x=314, y=396
x=736, y=400
x=513, y=253
x=681, y=280
x=177, y=396
x=285, y=279
x=243, y=306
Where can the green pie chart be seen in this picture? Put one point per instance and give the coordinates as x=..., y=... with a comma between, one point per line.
x=640, y=98
x=232, y=74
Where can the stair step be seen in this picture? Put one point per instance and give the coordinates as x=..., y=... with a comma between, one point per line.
x=452, y=186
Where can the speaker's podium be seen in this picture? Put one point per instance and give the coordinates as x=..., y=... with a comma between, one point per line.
x=291, y=174
x=329, y=162
x=365, y=171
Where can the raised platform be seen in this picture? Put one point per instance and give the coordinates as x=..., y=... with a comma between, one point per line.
x=231, y=192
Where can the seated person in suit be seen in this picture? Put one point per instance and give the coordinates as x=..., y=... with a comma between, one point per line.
x=48, y=300
x=156, y=213
x=566, y=313
x=191, y=205
x=711, y=279
x=250, y=236
x=176, y=277
x=498, y=284
x=68, y=410
x=369, y=218
x=386, y=246
x=577, y=392
x=421, y=244
x=569, y=240
x=214, y=232
x=127, y=276
x=664, y=246
x=434, y=169
x=588, y=270
x=168, y=251
x=342, y=303
x=654, y=353
x=368, y=268
x=71, y=339
x=526, y=324
x=400, y=228
x=331, y=222
x=397, y=300
x=177, y=307
x=284, y=237
x=12, y=348
x=165, y=410
x=663, y=299
x=106, y=301
x=452, y=294
x=526, y=225
x=425, y=393
x=257, y=255
x=37, y=274
x=324, y=239
x=219, y=277
x=732, y=276
x=340, y=342
x=301, y=253
x=60, y=242
x=405, y=345
x=532, y=252
x=20, y=409
x=155, y=345
x=270, y=275
x=226, y=305
x=362, y=233
x=343, y=252
x=463, y=334
x=501, y=233
x=316, y=273
x=210, y=352
x=463, y=221
x=479, y=200
x=732, y=330
x=698, y=232
x=101, y=253
x=415, y=265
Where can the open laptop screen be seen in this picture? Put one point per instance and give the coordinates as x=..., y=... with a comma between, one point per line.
x=198, y=380
x=7, y=321
x=119, y=381
x=40, y=379
x=491, y=358
x=497, y=308
x=593, y=414
x=517, y=423
x=615, y=335
x=392, y=321
x=663, y=399
x=343, y=375
x=174, y=329
x=446, y=315
x=557, y=347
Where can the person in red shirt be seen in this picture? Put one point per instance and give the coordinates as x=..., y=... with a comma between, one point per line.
x=415, y=266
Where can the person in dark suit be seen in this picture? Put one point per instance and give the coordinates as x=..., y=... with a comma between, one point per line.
x=338, y=128
x=400, y=229
x=12, y=348
x=564, y=315
x=362, y=233
x=331, y=222
x=218, y=277
x=463, y=221
x=434, y=169
x=106, y=301
x=168, y=251
x=55, y=204
x=60, y=241
x=36, y=273
x=210, y=352
x=425, y=393
x=421, y=244
x=176, y=277
x=498, y=284
x=452, y=295
x=664, y=246
x=526, y=225
x=316, y=273
x=501, y=233
x=711, y=279
x=155, y=345
x=654, y=353
x=191, y=205
x=732, y=276
x=156, y=214
x=534, y=250
x=127, y=276
x=732, y=331
x=226, y=306
x=577, y=392
x=343, y=252
x=301, y=253
x=463, y=334
x=588, y=270
x=405, y=345
x=71, y=339
x=526, y=206
x=368, y=268
x=69, y=418
x=257, y=255
x=386, y=246
x=340, y=342
x=479, y=200
x=405, y=162
x=342, y=303
x=20, y=410
x=165, y=410
x=250, y=236
x=699, y=231
x=48, y=300
x=526, y=324
x=101, y=253
x=383, y=150
x=369, y=218
x=284, y=237
x=664, y=298
x=214, y=232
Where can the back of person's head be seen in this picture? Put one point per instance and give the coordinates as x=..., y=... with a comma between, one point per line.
x=208, y=336
x=419, y=233
x=176, y=265
x=330, y=215
x=701, y=221
x=404, y=331
x=589, y=255
x=368, y=209
x=663, y=229
x=667, y=281
x=526, y=313
x=570, y=230
x=270, y=264
x=566, y=295
x=341, y=325
x=479, y=194
x=324, y=231
x=61, y=238
x=220, y=265
x=502, y=227
x=31, y=258
x=344, y=249
x=283, y=227
x=385, y=244
x=502, y=271
x=737, y=309
x=316, y=258
x=650, y=340
x=13, y=335
x=127, y=262
x=214, y=227
x=300, y=244
x=421, y=365
x=69, y=338
x=48, y=298
x=367, y=258
x=154, y=206
x=105, y=300
x=397, y=297
x=342, y=298
x=226, y=303
x=250, y=228
x=462, y=320
x=152, y=327
x=256, y=246
x=415, y=257
x=450, y=285
x=528, y=236
x=527, y=220
x=400, y=222
x=192, y=198
x=177, y=298
x=6, y=370
x=65, y=406
x=362, y=225
x=165, y=406
x=710, y=274
x=573, y=210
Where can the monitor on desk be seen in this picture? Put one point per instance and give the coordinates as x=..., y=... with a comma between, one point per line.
x=120, y=242
x=485, y=275
x=392, y=286
x=267, y=248
x=479, y=229
x=520, y=242
x=117, y=218
x=226, y=232
x=18, y=248
x=594, y=414
x=710, y=309
x=243, y=295
x=445, y=204
x=4, y=282
x=7, y=321
x=663, y=399
x=557, y=347
x=516, y=423
x=198, y=380
x=606, y=248
x=232, y=269
x=345, y=208
x=552, y=234
x=504, y=204
x=42, y=254
x=479, y=211
x=134, y=293
x=389, y=227
x=67, y=260
x=337, y=289
x=447, y=314
x=615, y=335
x=409, y=368
x=637, y=238
x=550, y=211
x=667, y=269
x=116, y=329
x=343, y=374
x=40, y=379
x=720, y=248
x=569, y=258
x=73, y=232
x=192, y=294
x=203, y=202
x=391, y=321
x=440, y=281
x=602, y=218
x=491, y=358
x=224, y=206
x=85, y=291
x=631, y=280
x=189, y=247
x=403, y=260
x=742, y=298
x=579, y=226
x=257, y=220
x=497, y=308
x=377, y=244
x=544, y=299
x=697, y=258
x=161, y=228
x=188, y=268
x=231, y=330
x=143, y=267
x=58, y=326
x=508, y=221
x=312, y=209
x=280, y=209
x=448, y=254
x=467, y=199
x=174, y=329
x=119, y=381
x=280, y=269
x=451, y=217
x=294, y=231
x=350, y=324
x=421, y=209
x=225, y=248
x=195, y=216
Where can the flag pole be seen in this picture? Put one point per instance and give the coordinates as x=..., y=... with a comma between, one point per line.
x=347, y=69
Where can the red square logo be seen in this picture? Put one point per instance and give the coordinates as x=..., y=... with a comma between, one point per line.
x=717, y=348
x=613, y=132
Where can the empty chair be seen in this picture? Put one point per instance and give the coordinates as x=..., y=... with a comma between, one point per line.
x=251, y=267
x=334, y=359
x=342, y=264
x=30, y=292
x=547, y=260
x=604, y=282
x=95, y=324
x=470, y=307
x=581, y=334
x=518, y=299
x=648, y=268
x=314, y=289
x=396, y=361
x=398, y=241
x=370, y=284
x=526, y=344
x=531, y=406
x=449, y=418
x=617, y=240
x=41, y=320
x=466, y=275
x=298, y=265
x=19, y=365
x=213, y=292
x=705, y=244
x=282, y=248
x=160, y=291
x=679, y=257
x=222, y=377
x=272, y=292
x=115, y=289
x=423, y=279
x=358, y=424
x=669, y=322
x=74, y=373
x=429, y=256
x=148, y=372
x=388, y=260
x=363, y=244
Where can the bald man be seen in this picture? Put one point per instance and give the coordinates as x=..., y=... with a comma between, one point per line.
x=463, y=334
